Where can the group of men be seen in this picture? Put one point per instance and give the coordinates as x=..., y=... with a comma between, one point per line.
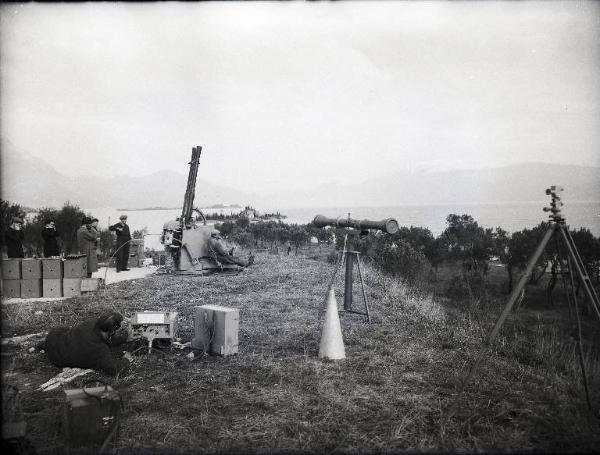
x=87, y=241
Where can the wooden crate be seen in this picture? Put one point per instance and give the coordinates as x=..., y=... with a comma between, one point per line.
x=89, y=284
x=11, y=269
x=52, y=287
x=75, y=267
x=11, y=289
x=219, y=324
x=52, y=268
x=31, y=269
x=31, y=289
x=71, y=287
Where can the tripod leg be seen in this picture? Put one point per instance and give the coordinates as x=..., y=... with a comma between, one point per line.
x=362, y=284
x=511, y=301
x=581, y=272
x=579, y=348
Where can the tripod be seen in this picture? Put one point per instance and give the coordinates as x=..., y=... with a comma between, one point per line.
x=559, y=230
x=350, y=257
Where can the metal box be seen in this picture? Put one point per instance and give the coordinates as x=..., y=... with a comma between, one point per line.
x=31, y=269
x=153, y=324
x=11, y=269
x=75, y=267
x=52, y=287
x=136, y=253
x=71, y=287
x=90, y=415
x=11, y=288
x=31, y=289
x=216, y=329
x=52, y=268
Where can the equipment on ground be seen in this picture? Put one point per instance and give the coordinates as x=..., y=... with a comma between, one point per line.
x=572, y=266
x=353, y=228
x=153, y=325
x=186, y=238
x=216, y=329
x=91, y=415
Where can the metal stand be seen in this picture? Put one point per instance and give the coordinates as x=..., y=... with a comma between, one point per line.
x=557, y=225
x=351, y=258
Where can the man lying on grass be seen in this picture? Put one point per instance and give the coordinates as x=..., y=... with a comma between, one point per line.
x=88, y=345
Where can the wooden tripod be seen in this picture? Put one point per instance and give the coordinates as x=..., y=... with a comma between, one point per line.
x=558, y=229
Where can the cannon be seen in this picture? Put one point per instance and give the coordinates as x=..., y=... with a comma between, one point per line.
x=388, y=225
x=186, y=238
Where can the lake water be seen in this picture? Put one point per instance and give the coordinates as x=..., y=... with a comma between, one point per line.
x=510, y=216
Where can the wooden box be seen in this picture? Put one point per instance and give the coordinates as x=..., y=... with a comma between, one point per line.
x=89, y=284
x=52, y=268
x=219, y=324
x=71, y=287
x=75, y=267
x=52, y=287
x=31, y=289
x=31, y=269
x=11, y=288
x=11, y=269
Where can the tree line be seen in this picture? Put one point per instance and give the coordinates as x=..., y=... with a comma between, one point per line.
x=413, y=252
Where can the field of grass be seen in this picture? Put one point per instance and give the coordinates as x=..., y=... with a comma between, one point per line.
x=396, y=390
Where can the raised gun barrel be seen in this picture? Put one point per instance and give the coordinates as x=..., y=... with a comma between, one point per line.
x=188, y=200
x=389, y=225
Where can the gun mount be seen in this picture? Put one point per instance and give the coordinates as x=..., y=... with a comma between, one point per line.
x=186, y=238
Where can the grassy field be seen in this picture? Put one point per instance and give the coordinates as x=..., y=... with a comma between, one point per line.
x=396, y=390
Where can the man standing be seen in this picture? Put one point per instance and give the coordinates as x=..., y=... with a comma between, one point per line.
x=123, y=238
x=50, y=236
x=13, y=238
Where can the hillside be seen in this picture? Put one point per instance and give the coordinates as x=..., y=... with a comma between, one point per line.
x=394, y=391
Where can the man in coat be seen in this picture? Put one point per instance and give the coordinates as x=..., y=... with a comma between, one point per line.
x=220, y=253
x=87, y=238
x=88, y=345
x=50, y=236
x=123, y=238
x=13, y=238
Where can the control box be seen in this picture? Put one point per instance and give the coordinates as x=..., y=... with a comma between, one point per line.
x=153, y=325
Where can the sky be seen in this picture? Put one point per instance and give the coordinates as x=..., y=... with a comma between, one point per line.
x=288, y=95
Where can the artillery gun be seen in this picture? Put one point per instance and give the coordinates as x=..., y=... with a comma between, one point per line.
x=186, y=238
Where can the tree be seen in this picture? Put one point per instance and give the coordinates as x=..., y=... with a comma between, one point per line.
x=467, y=242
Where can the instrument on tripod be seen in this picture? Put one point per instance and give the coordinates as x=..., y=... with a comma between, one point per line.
x=559, y=230
x=351, y=257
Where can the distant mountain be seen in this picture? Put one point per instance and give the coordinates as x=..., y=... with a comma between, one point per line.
x=516, y=183
x=33, y=182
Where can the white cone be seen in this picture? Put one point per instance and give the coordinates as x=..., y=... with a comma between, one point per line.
x=332, y=343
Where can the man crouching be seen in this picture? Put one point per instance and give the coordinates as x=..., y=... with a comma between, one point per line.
x=87, y=345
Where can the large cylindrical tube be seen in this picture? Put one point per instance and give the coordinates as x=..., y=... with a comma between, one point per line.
x=389, y=225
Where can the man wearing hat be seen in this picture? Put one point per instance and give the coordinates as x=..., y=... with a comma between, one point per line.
x=220, y=253
x=50, y=236
x=123, y=238
x=13, y=238
x=86, y=240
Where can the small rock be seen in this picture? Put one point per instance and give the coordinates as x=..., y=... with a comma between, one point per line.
x=190, y=356
x=39, y=312
x=32, y=349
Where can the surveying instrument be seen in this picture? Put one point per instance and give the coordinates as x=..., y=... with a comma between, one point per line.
x=354, y=228
x=571, y=266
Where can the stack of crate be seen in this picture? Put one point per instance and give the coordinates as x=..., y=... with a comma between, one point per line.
x=31, y=278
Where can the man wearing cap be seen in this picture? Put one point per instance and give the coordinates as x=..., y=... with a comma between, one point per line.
x=218, y=251
x=13, y=238
x=50, y=236
x=123, y=238
x=86, y=240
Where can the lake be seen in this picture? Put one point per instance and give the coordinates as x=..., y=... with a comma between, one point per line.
x=509, y=216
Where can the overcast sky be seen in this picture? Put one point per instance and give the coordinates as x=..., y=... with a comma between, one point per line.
x=293, y=94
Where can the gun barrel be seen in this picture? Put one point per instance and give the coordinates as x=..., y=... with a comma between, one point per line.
x=188, y=200
x=388, y=225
